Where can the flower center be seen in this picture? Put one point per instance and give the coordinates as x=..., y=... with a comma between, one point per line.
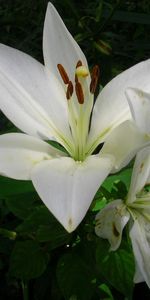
x=80, y=96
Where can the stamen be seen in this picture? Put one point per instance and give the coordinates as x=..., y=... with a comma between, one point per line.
x=63, y=74
x=79, y=64
x=93, y=85
x=76, y=78
x=79, y=92
x=94, y=79
x=95, y=71
x=69, y=90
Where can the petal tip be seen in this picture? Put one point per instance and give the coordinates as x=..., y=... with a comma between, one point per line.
x=70, y=225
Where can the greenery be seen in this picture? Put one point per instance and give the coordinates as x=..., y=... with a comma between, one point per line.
x=39, y=260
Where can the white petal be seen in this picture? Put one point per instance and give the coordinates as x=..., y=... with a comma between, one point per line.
x=30, y=97
x=59, y=47
x=111, y=107
x=138, y=277
x=67, y=187
x=110, y=222
x=139, y=102
x=19, y=153
x=123, y=143
x=140, y=174
x=140, y=238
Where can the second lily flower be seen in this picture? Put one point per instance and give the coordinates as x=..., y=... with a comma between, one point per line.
x=111, y=220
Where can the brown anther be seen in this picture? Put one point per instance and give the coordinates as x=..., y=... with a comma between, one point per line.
x=79, y=92
x=93, y=85
x=79, y=64
x=69, y=90
x=95, y=71
x=76, y=78
x=94, y=79
x=63, y=73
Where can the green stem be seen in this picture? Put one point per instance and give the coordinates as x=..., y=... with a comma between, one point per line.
x=25, y=290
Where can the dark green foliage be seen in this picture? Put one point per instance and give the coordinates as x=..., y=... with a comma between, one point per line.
x=75, y=277
x=27, y=260
x=116, y=267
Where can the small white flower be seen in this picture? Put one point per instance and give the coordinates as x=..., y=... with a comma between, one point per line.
x=111, y=220
x=55, y=102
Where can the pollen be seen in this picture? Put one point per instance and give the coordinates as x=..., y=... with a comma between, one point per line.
x=82, y=71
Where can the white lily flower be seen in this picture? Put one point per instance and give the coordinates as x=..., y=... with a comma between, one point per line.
x=55, y=102
x=111, y=220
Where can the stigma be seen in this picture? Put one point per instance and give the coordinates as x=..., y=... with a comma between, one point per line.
x=81, y=71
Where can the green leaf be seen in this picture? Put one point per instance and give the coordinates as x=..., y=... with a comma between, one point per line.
x=9, y=187
x=45, y=227
x=22, y=205
x=123, y=176
x=119, y=190
x=55, y=234
x=99, y=204
x=74, y=278
x=116, y=267
x=27, y=260
x=103, y=287
x=40, y=216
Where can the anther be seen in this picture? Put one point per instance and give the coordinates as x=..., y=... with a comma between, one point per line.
x=63, y=74
x=94, y=79
x=93, y=85
x=69, y=90
x=79, y=64
x=79, y=92
x=95, y=71
x=76, y=78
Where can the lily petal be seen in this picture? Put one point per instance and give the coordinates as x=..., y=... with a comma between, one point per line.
x=111, y=107
x=30, y=97
x=110, y=222
x=67, y=187
x=140, y=174
x=19, y=153
x=139, y=102
x=138, y=277
x=123, y=143
x=59, y=47
x=140, y=238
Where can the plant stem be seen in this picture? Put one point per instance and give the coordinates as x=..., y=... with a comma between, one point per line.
x=25, y=290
